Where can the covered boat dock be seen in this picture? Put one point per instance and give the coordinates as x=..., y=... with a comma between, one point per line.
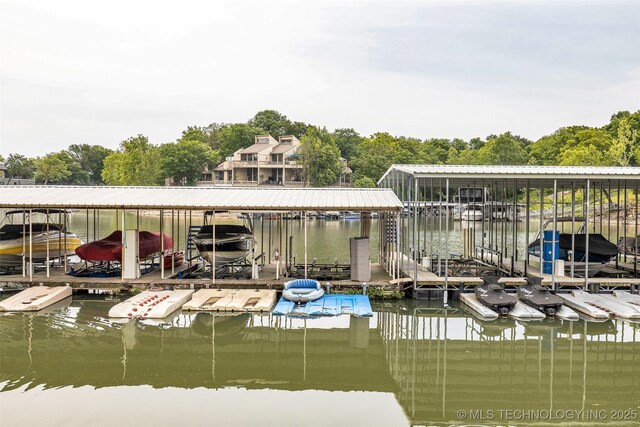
x=184, y=202
x=442, y=248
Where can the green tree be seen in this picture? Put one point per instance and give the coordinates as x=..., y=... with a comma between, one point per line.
x=91, y=159
x=626, y=147
x=546, y=150
x=19, y=166
x=51, y=167
x=364, y=182
x=185, y=160
x=194, y=133
x=588, y=147
x=320, y=157
x=272, y=122
x=504, y=149
x=235, y=136
x=374, y=156
x=135, y=163
x=436, y=150
x=347, y=141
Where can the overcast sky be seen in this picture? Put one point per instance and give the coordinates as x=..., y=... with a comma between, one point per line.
x=77, y=71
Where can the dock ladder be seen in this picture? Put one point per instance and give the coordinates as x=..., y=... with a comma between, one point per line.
x=192, y=251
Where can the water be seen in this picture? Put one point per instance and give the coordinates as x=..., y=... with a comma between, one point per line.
x=328, y=240
x=411, y=363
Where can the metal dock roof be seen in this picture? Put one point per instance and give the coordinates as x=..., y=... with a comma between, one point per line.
x=536, y=175
x=199, y=198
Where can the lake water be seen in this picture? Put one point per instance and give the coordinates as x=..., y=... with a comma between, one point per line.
x=328, y=240
x=411, y=364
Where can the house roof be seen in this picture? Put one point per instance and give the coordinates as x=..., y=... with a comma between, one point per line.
x=283, y=148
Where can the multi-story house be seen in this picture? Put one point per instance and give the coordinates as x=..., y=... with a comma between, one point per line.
x=266, y=162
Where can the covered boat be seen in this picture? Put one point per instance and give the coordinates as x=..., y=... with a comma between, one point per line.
x=491, y=294
x=573, y=250
x=110, y=248
x=539, y=297
x=233, y=242
x=16, y=237
x=302, y=290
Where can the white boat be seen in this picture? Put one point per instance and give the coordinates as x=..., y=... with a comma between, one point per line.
x=15, y=238
x=471, y=213
x=233, y=242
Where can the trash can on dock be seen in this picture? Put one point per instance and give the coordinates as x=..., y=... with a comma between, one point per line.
x=549, y=255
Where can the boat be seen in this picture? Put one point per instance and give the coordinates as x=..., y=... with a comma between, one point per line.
x=15, y=238
x=629, y=246
x=572, y=250
x=109, y=249
x=233, y=242
x=539, y=297
x=471, y=213
x=302, y=290
x=493, y=296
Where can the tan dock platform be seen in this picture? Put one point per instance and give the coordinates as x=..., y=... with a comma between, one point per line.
x=232, y=300
x=36, y=298
x=151, y=304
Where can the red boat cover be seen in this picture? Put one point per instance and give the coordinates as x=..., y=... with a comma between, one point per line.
x=110, y=248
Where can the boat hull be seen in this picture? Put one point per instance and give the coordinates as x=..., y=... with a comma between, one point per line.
x=60, y=244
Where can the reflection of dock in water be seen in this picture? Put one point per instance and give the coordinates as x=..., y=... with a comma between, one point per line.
x=434, y=360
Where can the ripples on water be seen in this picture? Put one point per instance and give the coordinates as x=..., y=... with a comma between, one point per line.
x=411, y=363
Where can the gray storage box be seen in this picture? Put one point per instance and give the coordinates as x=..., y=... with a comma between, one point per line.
x=360, y=264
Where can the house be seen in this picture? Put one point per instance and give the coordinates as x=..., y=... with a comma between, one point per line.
x=5, y=178
x=267, y=162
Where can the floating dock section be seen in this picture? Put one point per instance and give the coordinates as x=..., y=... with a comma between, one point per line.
x=35, y=298
x=327, y=305
x=151, y=304
x=471, y=301
x=522, y=311
x=600, y=307
x=231, y=300
x=623, y=296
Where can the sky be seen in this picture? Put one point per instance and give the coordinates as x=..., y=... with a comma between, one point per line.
x=75, y=71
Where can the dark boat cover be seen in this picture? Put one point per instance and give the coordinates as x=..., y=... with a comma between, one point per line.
x=600, y=249
x=110, y=248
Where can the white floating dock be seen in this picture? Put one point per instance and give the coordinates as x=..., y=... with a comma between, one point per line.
x=623, y=296
x=232, y=300
x=472, y=302
x=567, y=313
x=523, y=311
x=35, y=298
x=151, y=304
x=599, y=307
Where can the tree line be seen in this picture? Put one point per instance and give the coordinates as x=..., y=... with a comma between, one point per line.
x=139, y=162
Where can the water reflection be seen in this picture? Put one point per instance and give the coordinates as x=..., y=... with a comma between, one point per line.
x=434, y=361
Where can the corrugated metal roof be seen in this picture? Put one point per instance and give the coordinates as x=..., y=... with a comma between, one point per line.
x=196, y=198
x=538, y=174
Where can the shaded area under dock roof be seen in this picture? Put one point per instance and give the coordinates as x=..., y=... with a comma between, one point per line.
x=535, y=176
x=199, y=198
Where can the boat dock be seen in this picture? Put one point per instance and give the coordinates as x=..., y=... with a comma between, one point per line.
x=424, y=245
